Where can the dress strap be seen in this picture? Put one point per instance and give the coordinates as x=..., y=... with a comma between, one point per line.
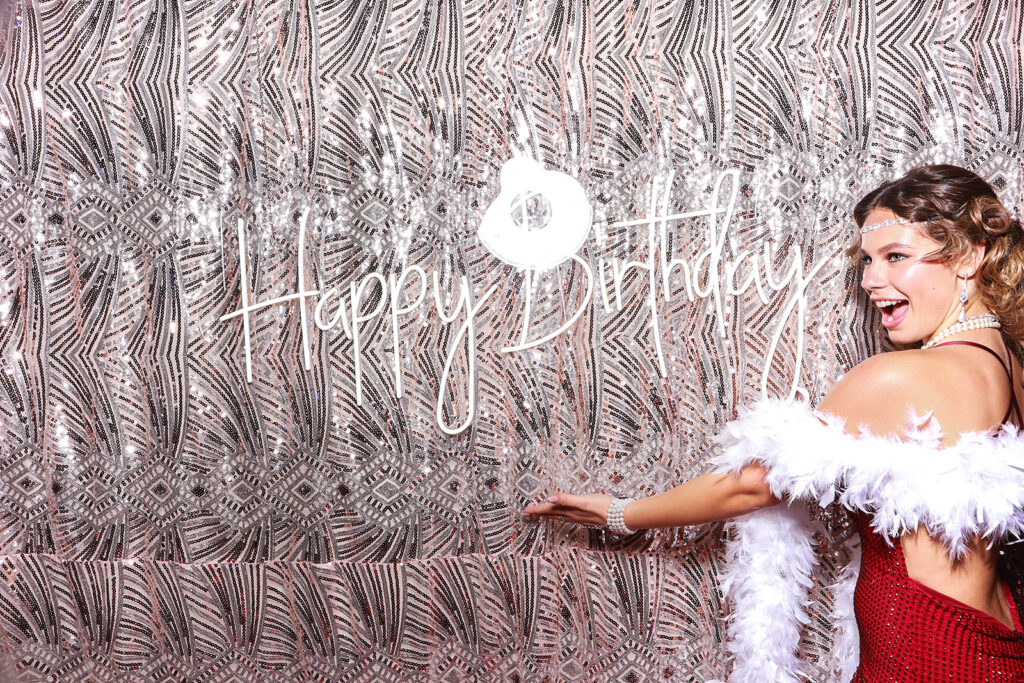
x=1008, y=367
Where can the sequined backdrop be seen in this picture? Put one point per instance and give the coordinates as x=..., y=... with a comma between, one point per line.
x=161, y=518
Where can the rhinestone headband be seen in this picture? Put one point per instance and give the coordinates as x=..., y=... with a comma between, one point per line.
x=884, y=224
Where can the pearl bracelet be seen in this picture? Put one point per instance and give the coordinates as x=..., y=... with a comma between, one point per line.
x=615, y=519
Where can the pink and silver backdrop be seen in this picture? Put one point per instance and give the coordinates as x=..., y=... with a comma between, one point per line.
x=164, y=518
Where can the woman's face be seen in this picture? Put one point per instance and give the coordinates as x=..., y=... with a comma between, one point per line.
x=916, y=297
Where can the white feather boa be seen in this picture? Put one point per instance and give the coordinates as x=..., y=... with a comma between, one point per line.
x=974, y=488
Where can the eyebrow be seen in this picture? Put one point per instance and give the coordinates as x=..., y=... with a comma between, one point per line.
x=891, y=245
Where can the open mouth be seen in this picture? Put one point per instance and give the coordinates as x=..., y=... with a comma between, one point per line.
x=893, y=311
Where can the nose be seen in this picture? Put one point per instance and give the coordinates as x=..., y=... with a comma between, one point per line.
x=872, y=278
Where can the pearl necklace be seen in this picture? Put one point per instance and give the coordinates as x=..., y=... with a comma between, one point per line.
x=975, y=322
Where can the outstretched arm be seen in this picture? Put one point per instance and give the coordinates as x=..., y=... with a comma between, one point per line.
x=707, y=498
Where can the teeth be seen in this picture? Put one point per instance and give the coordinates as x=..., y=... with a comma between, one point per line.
x=885, y=303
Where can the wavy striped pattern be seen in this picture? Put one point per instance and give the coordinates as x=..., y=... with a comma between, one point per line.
x=163, y=519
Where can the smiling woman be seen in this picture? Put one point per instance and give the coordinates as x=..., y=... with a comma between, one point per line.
x=942, y=216
x=922, y=446
x=901, y=269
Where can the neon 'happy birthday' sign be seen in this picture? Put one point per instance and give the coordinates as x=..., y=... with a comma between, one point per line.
x=539, y=220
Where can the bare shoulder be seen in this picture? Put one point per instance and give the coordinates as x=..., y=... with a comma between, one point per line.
x=879, y=393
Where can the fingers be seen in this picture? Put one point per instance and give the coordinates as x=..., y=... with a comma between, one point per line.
x=545, y=507
x=563, y=506
x=539, y=509
x=565, y=499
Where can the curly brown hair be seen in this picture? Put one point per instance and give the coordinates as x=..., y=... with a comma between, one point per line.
x=958, y=209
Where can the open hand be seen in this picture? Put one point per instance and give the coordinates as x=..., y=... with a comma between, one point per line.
x=588, y=508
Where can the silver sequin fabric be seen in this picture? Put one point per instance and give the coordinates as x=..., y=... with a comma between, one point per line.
x=162, y=518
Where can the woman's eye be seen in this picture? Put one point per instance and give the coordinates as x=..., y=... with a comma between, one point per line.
x=865, y=259
x=897, y=257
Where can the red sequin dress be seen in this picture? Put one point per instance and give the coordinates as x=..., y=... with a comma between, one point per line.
x=913, y=634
